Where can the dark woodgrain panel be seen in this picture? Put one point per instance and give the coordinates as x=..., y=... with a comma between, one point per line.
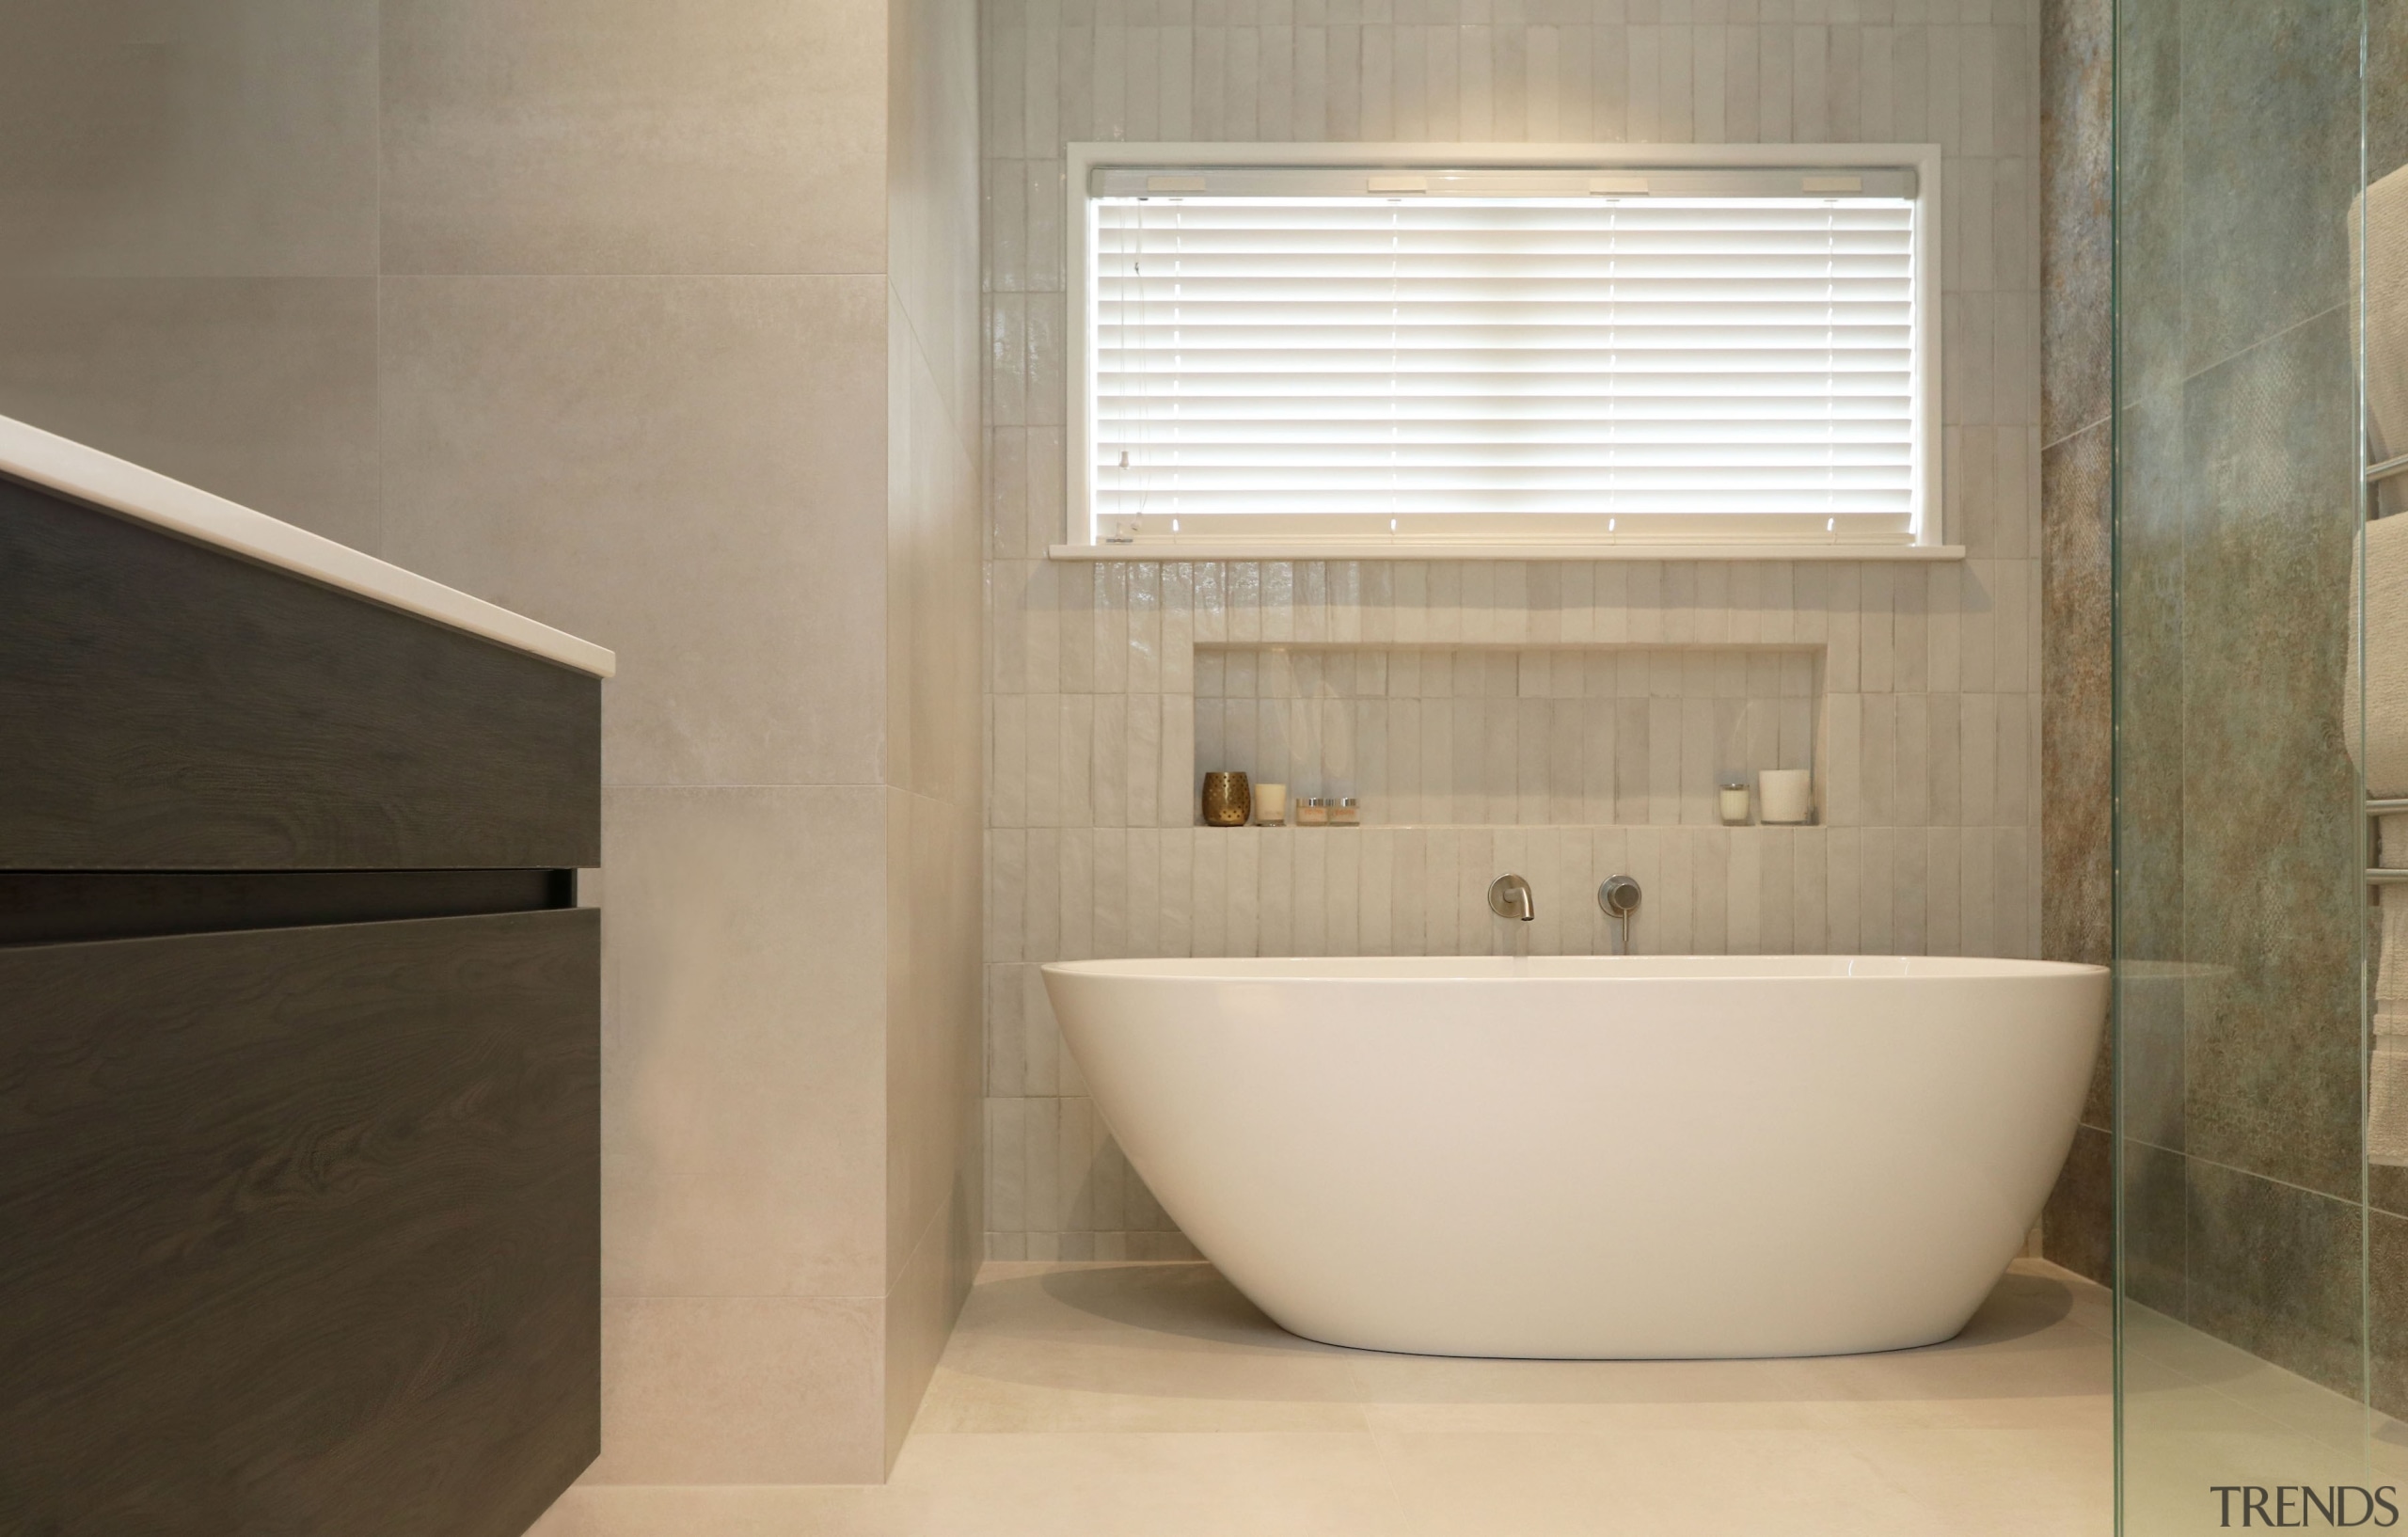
x=169, y=706
x=299, y=1229
x=58, y=907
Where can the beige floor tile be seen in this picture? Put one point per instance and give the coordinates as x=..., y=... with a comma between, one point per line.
x=1664, y=1482
x=2199, y=1413
x=2060, y=1480
x=1038, y=1485
x=739, y=1510
x=1327, y=1484
x=1147, y=1347
x=2179, y=1442
x=2387, y=1450
x=709, y=1390
x=1153, y=1399
x=2018, y=1363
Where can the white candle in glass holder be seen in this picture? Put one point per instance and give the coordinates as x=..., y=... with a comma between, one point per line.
x=1270, y=805
x=1735, y=802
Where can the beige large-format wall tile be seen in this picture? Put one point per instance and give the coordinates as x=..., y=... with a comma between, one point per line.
x=936, y=1179
x=562, y=136
x=741, y=1390
x=262, y=389
x=927, y=1298
x=204, y=139
x=744, y=1049
x=932, y=192
x=690, y=470
x=934, y=1050
x=934, y=603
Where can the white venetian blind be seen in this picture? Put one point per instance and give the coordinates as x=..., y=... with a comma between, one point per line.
x=1456, y=364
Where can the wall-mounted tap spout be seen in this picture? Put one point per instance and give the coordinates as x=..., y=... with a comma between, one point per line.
x=1509, y=896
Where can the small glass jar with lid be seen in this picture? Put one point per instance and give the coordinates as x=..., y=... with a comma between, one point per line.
x=1733, y=799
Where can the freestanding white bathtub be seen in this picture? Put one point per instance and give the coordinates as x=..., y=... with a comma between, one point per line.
x=1692, y=1156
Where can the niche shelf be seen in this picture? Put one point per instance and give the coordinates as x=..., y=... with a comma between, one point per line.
x=1434, y=736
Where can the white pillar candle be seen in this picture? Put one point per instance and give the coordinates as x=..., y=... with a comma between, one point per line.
x=1785, y=795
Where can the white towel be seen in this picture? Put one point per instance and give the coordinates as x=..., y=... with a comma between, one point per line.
x=2379, y=274
x=2391, y=959
x=2387, y=1067
x=2387, y=1101
x=2384, y=755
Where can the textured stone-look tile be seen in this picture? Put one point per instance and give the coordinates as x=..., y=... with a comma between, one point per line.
x=2270, y=163
x=2078, y=1227
x=2387, y=1311
x=2387, y=1189
x=745, y=978
x=2150, y=352
x=2151, y=685
x=2077, y=786
x=2154, y=999
x=690, y=471
x=2077, y=75
x=2154, y=1199
x=2275, y=1270
x=233, y=138
x=2077, y=701
x=740, y=1391
x=726, y=135
x=2386, y=87
x=262, y=389
x=2271, y=830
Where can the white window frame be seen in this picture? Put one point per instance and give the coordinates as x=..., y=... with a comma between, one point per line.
x=1082, y=541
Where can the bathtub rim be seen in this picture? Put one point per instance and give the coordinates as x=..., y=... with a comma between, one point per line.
x=1402, y=970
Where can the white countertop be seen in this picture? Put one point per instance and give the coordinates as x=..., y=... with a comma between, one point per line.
x=45, y=459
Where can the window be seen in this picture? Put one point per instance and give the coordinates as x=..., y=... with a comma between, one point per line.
x=1418, y=355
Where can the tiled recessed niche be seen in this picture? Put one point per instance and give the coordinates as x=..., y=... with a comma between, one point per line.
x=1495, y=735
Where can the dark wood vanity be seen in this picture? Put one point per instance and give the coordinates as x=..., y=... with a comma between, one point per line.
x=300, y=1050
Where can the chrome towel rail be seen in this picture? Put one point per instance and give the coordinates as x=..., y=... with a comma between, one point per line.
x=2395, y=465
x=2377, y=806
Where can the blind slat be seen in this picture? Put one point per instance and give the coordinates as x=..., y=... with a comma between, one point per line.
x=1514, y=356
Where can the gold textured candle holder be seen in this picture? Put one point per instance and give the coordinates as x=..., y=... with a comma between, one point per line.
x=1228, y=799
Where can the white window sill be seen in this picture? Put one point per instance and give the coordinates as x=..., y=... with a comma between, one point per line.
x=1208, y=549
